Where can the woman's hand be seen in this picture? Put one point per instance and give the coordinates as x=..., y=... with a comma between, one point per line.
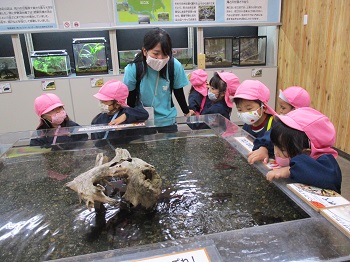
x=120, y=119
x=277, y=173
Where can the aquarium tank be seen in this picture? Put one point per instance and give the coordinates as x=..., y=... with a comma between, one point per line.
x=185, y=57
x=126, y=57
x=90, y=56
x=207, y=188
x=218, y=51
x=249, y=50
x=8, y=68
x=50, y=63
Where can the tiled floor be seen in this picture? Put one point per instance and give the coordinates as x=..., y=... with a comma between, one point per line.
x=344, y=164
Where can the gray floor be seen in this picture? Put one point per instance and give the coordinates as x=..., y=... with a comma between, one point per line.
x=345, y=168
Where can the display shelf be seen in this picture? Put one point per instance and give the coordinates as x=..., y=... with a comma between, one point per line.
x=77, y=92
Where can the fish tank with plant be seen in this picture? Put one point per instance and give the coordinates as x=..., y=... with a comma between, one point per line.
x=90, y=56
x=185, y=57
x=50, y=63
x=8, y=68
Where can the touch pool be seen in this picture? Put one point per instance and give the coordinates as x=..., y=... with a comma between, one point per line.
x=210, y=198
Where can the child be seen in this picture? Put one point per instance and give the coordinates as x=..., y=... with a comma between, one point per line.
x=303, y=141
x=222, y=86
x=199, y=91
x=51, y=111
x=251, y=100
x=293, y=97
x=114, y=110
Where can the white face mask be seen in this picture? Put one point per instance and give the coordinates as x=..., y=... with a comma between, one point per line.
x=104, y=108
x=250, y=117
x=211, y=96
x=156, y=64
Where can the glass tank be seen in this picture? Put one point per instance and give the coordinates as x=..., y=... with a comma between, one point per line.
x=50, y=63
x=209, y=193
x=185, y=57
x=248, y=51
x=218, y=51
x=90, y=56
x=126, y=57
x=8, y=68
x=207, y=188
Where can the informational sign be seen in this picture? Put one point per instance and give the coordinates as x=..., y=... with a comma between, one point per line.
x=194, y=12
x=27, y=15
x=48, y=85
x=5, y=88
x=199, y=255
x=46, y=15
x=102, y=128
x=249, y=10
x=245, y=142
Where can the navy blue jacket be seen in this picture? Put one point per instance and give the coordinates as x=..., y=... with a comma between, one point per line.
x=133, y=115
x=195, y=100
x=216, y=108
x=324, y=172
x=65, y=142
x=262, y=138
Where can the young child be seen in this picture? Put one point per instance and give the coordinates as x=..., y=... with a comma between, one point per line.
x=303, y=141
x=251, y=100
x=221, y=89
x=199, y=91
x=51, y=111
x=293, y=97
x=114, y=110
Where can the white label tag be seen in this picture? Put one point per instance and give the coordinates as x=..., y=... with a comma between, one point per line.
x=150, y=111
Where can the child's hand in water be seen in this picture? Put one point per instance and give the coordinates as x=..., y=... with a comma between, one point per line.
x=261, y=154
x=277, y=173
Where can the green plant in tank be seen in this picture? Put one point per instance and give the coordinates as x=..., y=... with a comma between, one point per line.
x=50, y=64
x=89, y=55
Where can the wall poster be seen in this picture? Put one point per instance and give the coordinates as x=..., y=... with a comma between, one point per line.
x=196, y=12
x=27, y=15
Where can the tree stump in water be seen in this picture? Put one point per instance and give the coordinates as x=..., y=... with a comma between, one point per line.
x=143, y=183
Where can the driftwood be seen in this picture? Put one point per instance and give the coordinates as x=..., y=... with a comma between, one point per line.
x=143, y=183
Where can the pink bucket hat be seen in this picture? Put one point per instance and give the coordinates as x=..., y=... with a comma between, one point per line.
x=295, y=96
x=232, y=83
x=255, y=90
x=113, y=90
x=318, y=128
x=198, y=80
x=45, y=103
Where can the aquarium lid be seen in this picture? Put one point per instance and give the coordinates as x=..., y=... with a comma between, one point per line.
x=252, y=36
x=89, y=40
x=50, y=53
x=7, y=57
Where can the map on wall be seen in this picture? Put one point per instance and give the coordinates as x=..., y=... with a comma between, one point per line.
x=144, y=12
x=194, y=12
